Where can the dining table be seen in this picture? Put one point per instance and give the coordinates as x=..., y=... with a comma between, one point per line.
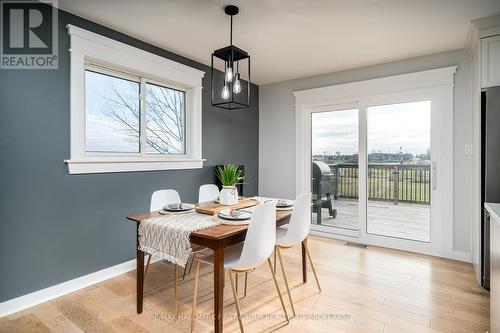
x=216, y=238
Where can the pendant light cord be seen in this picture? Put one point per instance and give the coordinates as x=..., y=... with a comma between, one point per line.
x=231, y=33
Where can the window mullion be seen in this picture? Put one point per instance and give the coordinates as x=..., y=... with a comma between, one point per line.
x=142, y=115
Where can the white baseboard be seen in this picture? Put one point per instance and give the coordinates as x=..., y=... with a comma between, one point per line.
x=44, y=295
x=460, y=256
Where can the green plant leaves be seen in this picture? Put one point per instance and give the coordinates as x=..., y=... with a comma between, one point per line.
x=229, y=174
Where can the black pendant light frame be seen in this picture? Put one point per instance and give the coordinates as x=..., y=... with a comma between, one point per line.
x=231, y=55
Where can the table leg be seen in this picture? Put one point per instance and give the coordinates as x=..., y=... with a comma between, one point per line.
x=140, y=274
x=304, y=262
x=218, y=288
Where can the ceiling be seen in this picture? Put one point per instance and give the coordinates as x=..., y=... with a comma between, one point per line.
x=289, y=39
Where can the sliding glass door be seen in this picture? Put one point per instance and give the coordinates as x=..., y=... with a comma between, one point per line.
x=371, y=172
x=399, y=167
x=377, y=155
x=334, y=168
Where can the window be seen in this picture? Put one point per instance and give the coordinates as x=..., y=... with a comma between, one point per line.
x=165, y=115
x=112, y=107
x=131, y=110
x=113, y=113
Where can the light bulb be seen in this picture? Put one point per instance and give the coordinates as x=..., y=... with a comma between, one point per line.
x=237, y=85
x=225, y=92
x=229, y=74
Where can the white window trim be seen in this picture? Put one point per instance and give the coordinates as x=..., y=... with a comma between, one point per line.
x=438, y=83
x=88, y=47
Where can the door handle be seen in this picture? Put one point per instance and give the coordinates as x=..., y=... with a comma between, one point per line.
x=433, y=175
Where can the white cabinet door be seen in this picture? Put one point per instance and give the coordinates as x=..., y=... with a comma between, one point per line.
x=490, y=62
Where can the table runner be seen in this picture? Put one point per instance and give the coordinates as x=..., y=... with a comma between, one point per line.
x=168, y=236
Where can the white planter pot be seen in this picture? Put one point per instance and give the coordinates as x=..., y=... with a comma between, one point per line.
x=228, y=195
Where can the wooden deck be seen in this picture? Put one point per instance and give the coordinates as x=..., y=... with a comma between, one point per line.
x=408, y=221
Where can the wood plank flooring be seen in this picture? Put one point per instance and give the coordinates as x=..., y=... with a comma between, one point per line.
x=364, y=290
x=404, y=220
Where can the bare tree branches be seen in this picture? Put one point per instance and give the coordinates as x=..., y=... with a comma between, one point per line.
x=164, y=107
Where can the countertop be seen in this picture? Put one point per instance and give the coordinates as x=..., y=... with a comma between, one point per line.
x=493, y=209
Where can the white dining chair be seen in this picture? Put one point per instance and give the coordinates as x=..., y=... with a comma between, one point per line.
x=296, y=234
x=244, y=257
x=208, y=192
x=159, y=199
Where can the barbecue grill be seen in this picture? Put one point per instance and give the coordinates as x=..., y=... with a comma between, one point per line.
x=323, y=184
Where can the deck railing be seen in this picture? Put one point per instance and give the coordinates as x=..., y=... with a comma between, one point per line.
x=412, y=182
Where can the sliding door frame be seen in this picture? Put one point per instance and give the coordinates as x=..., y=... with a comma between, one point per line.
x=438, y=159
x=434, y=85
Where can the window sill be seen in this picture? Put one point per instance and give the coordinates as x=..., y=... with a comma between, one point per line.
x=109, y=165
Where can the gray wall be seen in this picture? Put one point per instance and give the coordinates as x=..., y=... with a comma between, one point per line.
x=56, y=226
x=277, y=130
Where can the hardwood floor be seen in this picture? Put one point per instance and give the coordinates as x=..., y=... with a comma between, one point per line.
x=364, y=290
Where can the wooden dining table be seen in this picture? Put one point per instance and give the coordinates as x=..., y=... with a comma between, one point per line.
x=216, y=238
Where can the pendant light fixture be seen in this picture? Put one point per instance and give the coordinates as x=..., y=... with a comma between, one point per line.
x=231, y=89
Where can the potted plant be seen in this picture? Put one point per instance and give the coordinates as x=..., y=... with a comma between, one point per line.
x=229, y=175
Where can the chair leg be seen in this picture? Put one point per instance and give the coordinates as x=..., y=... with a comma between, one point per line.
x=147, y=266
x=237, y=278
x=285, y=278
x=237, y=283
x=278, y=289
x=185, y=267
x=176, y=268
x=274, y=267
x=195, y=294
x=235, y=296
x=312, y=265
x=246, y=284
x=192, y=261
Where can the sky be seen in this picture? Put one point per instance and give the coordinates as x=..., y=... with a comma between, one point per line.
x=389, y=127
x=101, y=134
